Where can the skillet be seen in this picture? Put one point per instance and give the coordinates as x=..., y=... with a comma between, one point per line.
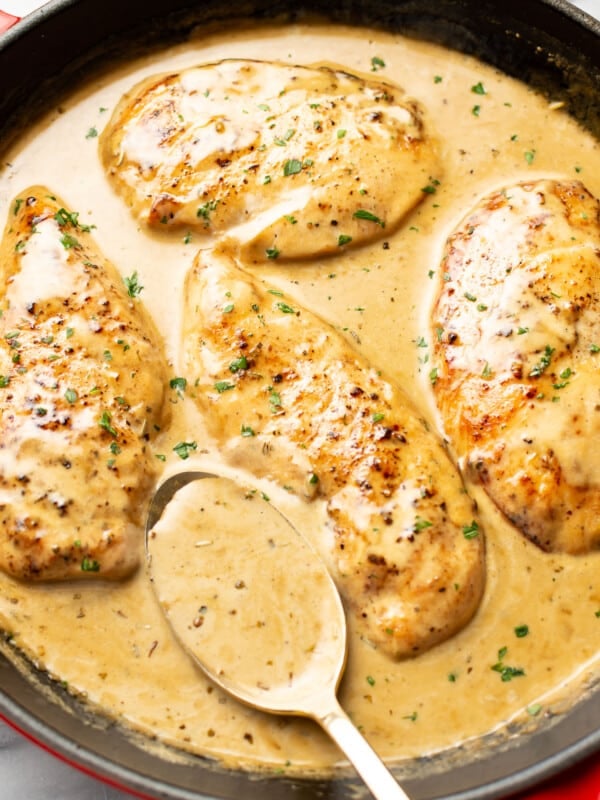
x=548, y=44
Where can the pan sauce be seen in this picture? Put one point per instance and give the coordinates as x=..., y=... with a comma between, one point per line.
x=109, y=643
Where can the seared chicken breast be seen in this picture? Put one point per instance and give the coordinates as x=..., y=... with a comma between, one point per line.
x=517, y=352
x=299, y=161
x=82, y=380
x=287, y=397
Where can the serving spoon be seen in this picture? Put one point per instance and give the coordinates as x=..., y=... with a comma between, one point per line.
x=250, y=600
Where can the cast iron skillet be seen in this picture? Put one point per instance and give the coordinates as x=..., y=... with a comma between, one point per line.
x=547, y=43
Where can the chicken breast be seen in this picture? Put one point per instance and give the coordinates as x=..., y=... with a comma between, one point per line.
x=82, y=380
x=288, y=398
x=299, y=161
x=517, y=352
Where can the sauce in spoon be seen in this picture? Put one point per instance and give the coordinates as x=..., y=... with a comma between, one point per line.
x=272, y=636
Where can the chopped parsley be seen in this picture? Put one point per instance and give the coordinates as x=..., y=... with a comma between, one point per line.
x=344, y=239
x=420, y=524
x=224, y=386
x=431, y=187
x=507, y=673
x=178, y=383
x=292, y=167
x=521, y=631
x=543, y=364
x=281, y=142
x=377, y=63
x=205, y=210
x=362, y=213
x=69, y=242
x=106, y=424
x=238, y=364
x=471, y=531
x=274, y=400
x=285, y=308
x=134, y=288
x=90, y=564
x=183, y=449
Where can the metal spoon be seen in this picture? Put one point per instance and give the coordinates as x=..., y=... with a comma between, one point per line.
x=271, y=635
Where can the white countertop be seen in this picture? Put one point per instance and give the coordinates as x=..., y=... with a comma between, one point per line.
x=26, y=771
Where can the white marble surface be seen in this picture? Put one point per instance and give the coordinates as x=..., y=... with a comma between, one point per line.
x=26, y=771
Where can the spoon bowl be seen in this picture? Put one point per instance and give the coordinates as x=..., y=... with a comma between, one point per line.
x=251, y=601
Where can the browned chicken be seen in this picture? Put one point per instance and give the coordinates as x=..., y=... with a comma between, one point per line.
x=517, y=348
x=288, y=398
x=299, y=161
x=81, y=394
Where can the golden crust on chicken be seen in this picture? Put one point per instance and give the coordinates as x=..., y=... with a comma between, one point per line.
x=296, y=161
x=288, y=398
x=516, y=331
x=82, y=383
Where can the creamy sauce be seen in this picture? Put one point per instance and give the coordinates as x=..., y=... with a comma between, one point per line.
x=110, y=643
x=252, y=602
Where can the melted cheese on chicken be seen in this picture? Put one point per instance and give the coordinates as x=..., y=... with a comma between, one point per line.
x=517, y=343
x=76, y=409
x=301, y=161
x=289, y=398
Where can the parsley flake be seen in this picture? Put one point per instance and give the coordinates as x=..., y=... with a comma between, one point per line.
x=543, y=364
x=183, y=449
x=178, y=383
x=224, y=386
x=362, y=213
x=292, y=167
x=471, y=531
x=106, y=424
x=238, y=364
x=134, y=288
x=285, y=308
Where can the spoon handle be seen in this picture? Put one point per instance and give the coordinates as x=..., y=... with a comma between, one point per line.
x=361, y=755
